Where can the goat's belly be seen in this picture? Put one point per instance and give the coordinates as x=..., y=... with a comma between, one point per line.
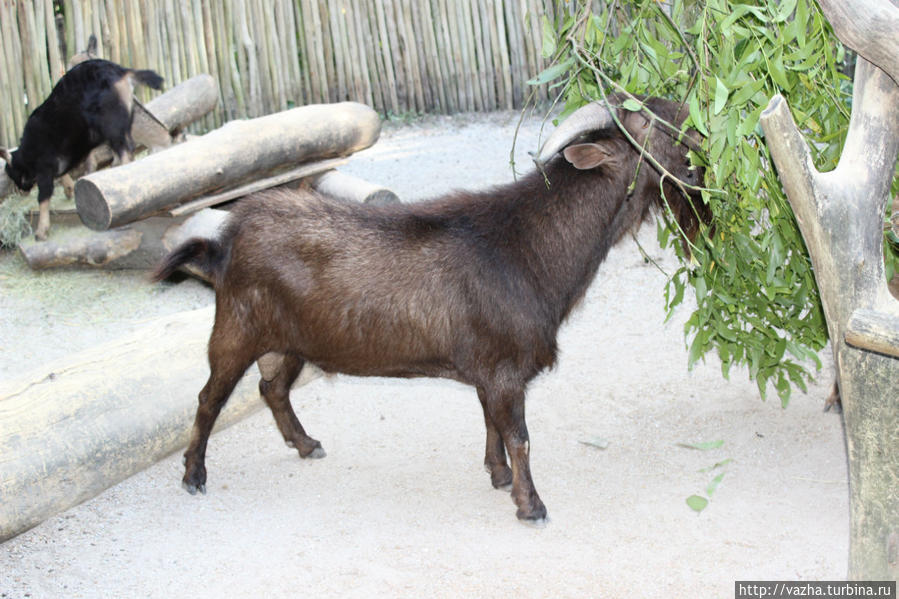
x=367, y=366
x=373, y=340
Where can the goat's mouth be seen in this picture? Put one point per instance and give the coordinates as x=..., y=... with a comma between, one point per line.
x=20, y=183
x=24, y=187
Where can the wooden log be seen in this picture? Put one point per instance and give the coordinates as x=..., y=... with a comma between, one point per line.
x=135, y=246
x=225, y=157
x=341, y=185
x=72, y=428
x=186, y=102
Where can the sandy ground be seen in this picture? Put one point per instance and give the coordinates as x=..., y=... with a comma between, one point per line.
x=401, y=506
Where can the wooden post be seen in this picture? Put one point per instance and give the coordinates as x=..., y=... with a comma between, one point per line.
x=223, y=158
x=840, y=214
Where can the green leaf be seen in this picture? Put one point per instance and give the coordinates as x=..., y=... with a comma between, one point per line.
x=596, y=442
x=632, y=105
x=721, y=93
x=749, y=123
x=549, y=39
x=786, y=9
x=703, y=446
x=714, y=484
x=553, y=72
x=697, y=503
x=747, y=91
x=778, y=73
x=696, y=115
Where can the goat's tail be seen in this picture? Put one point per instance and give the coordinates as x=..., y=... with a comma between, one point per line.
x=148, y=78
x=208, y=255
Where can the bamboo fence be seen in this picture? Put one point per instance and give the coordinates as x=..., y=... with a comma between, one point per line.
x=398, y=56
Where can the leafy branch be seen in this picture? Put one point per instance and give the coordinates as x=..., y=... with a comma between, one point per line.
x=757, y=303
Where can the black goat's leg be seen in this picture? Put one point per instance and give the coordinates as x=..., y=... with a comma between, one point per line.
x=123, y=150
x=225, y=373
x=495, y=453
x=275, y=389
x=505, y=406
x=44, y=192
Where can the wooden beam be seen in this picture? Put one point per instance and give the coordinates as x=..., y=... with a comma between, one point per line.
x=305, y=170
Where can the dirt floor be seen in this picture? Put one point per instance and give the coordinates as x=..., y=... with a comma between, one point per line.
x=401, y=505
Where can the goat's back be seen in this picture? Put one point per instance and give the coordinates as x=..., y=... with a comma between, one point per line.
x=89, y=105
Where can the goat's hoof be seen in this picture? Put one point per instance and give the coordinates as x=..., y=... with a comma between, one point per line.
x=40, y=236
x=501, y=478
x=538, y=523
x=532, y=514
x=192, y=488
x=316, y=454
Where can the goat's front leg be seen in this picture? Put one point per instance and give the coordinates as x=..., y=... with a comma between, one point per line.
x=506, y=408
x=44, y=191
x=279, y=371
x=495, y=453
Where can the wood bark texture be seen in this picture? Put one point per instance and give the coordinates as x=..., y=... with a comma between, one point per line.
x=226, y=157
x=840, y=214
x=869, y=28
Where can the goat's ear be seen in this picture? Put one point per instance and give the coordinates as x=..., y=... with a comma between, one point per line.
x=586, y=156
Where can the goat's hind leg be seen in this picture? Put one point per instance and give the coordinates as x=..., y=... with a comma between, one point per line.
x=495, y=452
x=226, y=370
x=279, y=371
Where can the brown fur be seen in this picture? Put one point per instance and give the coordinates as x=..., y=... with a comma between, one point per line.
x=471, y=286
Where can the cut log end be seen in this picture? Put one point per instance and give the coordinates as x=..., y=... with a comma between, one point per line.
x=92, y=209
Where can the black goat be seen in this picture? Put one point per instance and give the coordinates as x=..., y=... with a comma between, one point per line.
x=91, y=104
x=468, y=286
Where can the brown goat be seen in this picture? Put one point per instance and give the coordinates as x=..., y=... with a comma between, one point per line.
x=471, y=286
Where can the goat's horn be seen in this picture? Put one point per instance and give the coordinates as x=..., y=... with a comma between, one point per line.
x=590, y=117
